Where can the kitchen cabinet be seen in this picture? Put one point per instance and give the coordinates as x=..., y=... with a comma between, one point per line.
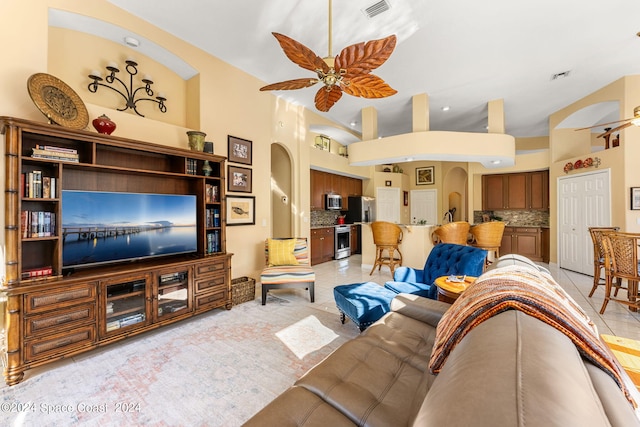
x=322, y=244
x=516, y=191
x=324, y=182
x=532, y=242
x=355, y=239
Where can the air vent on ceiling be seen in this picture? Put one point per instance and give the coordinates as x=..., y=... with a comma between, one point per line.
x=376, y=9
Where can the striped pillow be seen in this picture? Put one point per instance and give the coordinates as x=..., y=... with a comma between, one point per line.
x=281, y=252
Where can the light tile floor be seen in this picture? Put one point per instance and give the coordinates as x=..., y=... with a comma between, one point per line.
x=617, y=319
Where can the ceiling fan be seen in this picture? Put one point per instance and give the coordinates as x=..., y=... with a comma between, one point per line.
x=348, y=72
x=635, y=120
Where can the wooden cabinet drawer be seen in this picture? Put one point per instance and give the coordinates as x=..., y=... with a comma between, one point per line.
x=209, y=267
x=43, y=348
x=206, y=284
x=216, y=298
x=47, y=300
x=60, y=319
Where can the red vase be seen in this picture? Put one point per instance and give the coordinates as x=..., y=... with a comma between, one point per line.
x=104, y=124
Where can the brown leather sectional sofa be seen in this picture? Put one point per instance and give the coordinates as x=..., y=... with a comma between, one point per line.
x=510, y=370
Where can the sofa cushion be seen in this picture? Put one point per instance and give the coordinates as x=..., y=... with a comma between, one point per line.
x=281, y=252
x=515, y=370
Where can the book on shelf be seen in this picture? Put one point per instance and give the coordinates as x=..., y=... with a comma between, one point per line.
x=37, y=272
x=192, y=166
x=211, y=195
x=34, y=185
x=55, y=153
x=37, y=224
x=56, y=149
x=213, y=242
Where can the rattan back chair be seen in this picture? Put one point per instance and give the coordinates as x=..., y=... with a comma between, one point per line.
x=454, y=232
x=488, y=236
x=598, y=253
x=387, y=236
x=621, y=264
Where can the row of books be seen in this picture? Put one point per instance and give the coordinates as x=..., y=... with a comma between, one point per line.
x=211, y=193
x=213, y=242
x=213, y=218
x=37, y=224
x=55, y=153
x=192, y=166
x=33, y=273
x=35, y=185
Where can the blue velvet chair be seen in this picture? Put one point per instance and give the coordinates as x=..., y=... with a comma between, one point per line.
x=445, y=259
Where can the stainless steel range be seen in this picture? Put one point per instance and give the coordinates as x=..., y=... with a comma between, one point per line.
x=342, y=241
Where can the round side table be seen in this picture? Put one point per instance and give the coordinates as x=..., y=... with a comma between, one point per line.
x=450, y=291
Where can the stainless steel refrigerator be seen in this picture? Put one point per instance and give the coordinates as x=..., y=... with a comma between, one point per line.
x=361, y=209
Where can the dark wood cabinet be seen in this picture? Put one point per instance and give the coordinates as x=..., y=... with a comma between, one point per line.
x=526, y=241
x=516, y=191
x=322, y=244
x=355, y=239
x=54, y=311
x=323, y=183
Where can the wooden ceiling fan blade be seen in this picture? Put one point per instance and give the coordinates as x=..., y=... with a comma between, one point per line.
x=610, y=131
x=300, y=54
x=327, y=96
x=368, y=86
x=605, y=124
x=290, y=84
x=361, y=58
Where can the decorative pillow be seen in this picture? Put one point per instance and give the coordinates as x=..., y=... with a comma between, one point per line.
x=281, y=252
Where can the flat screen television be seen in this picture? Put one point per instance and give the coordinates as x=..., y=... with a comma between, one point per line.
x=100, y=227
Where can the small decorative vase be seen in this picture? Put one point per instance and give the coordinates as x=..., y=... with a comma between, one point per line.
x=104, y=124
x=206, y=168
x=196, y=140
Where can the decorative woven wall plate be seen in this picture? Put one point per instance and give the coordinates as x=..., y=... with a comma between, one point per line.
x=57, y=101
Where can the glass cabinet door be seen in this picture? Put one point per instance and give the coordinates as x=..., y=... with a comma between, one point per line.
x=173, y=293
x=125, y=304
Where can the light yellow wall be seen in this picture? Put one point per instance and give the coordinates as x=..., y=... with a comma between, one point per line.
x=216, y=106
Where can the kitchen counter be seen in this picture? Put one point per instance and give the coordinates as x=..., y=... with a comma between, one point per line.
x=415, y=246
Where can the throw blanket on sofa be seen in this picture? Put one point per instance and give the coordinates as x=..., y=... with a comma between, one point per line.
x=534, y=293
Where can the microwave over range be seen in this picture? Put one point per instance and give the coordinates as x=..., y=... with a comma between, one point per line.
x=333, y=202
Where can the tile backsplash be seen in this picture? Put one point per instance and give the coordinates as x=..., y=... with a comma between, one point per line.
x=324, y=218
x=532, y=218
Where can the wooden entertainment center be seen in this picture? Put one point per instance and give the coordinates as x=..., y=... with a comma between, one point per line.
x=53, y=312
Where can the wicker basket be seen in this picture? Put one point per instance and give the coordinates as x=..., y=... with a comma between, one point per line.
x=243, y=289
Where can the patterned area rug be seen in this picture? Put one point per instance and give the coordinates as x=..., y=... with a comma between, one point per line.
x=217, y=369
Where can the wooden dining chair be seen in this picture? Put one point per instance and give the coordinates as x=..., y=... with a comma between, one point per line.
x=598, y=254
x=621, y=264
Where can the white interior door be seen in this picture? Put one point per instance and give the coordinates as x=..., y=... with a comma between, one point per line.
x=388, y=204
x=583, y=201
x=424, y=206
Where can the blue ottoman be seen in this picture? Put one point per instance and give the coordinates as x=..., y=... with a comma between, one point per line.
x=363, y=303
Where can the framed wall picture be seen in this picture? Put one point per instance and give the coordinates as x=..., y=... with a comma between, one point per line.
x=241, y=210
x=425, y=176
x=239, y=150
x=239, y=179
x=635, y=198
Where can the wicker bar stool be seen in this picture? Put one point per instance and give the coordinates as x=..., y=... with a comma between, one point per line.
x=598, y=254
x=621, y=263
x=386, y=236
x=488, y=236
x=454, y=232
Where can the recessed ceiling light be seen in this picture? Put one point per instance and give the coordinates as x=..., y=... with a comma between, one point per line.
x=353, y=123
x=561, y=75
x=495, y=162
x=446, y=108
x=409, y=159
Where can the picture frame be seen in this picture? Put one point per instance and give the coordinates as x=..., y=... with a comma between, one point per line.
x=425, y=176
x=239, y=179
x=635, y=198
x=239, y=150
x=241, y=210
x=387, y=183
x=323, y=142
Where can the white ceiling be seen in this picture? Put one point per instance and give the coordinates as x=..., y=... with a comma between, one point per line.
x=461, y=53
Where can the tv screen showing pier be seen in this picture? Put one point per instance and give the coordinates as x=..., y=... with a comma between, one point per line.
x=103, y=227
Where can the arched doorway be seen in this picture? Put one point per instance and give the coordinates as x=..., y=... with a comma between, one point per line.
x=281, y=192
x=454, y=196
